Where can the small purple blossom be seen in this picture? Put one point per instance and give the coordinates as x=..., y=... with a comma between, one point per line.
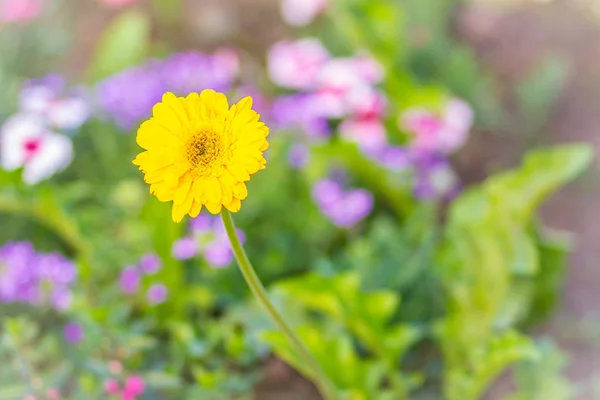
x=129, y=96
x=300, y=111
x=203, y=223
x=35, y=278
x=130, y=280
x=209, y=238
x=298, y=155
x=157, y=294
x=150, y=263
x=343, y=208
x=185, y=248
x=434, y=178
x=219, y=253
x=193, y=71
x=394, y=158
x=73, y=332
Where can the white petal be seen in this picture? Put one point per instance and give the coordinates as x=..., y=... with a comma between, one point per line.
x=36, y=99
x=68, y=114
x=17, y=130
x=55, y=155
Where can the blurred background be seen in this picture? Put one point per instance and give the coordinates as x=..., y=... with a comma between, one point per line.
x=427, y=219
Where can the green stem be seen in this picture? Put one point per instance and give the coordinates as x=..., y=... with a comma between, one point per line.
x=320, y=379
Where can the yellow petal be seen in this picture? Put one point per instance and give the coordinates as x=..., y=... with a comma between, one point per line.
x=178, y=212
x=213, y=190
x=214, y=208
x=227, y=182
x=238, y=172
x=182, y=191
x=240, y=191
x=196, y=208
x=234, y=206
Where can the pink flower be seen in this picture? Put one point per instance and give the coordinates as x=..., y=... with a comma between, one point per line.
x=296, y=64
x=20, y=10
x=53, y=394
x=134, y=385
x=367, y=103
x=444, y=133
x=369, y=134
x=117, y=3
x=344, y=83
x=302, y=12
x=26, y=142
x=111, y=386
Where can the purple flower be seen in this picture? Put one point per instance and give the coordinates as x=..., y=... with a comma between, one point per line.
x=35, y=278
x=157, y=293
x=300, y=111
x=219, y=253
x=209, y=238
x=150, y=263
x=393, y=157
x=130, y=280
x=434, y=178
x=185, y=248
x=193, y=72
x=203, y=223
x=298, y=155
x=343, y=208
x=73, y=332
x=129, y=96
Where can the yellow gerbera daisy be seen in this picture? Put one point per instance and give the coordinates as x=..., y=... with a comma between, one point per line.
x=200, y=151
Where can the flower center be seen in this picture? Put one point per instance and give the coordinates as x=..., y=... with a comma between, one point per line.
x=203, y=149
x=31, y=147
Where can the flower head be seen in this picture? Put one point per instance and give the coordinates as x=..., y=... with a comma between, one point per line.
x=130, y=280
x=343, y=208
x=200, y=152
x=302, y=12
x=20, y=10
x=444, y=133
x=73, y=332
x=26, y=143
x=34, y=278
x=157, y=293
x=296, y=64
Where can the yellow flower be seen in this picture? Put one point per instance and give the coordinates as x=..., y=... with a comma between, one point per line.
x=199, y=151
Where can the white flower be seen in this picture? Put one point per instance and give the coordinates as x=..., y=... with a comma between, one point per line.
x=63, y=113
x=302, y=12
x=26, y=142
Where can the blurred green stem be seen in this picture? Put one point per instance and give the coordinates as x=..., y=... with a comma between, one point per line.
x=320, y=379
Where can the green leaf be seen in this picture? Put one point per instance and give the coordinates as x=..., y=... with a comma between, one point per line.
x=124, y=44
x=542, y=378
x=469, y=383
